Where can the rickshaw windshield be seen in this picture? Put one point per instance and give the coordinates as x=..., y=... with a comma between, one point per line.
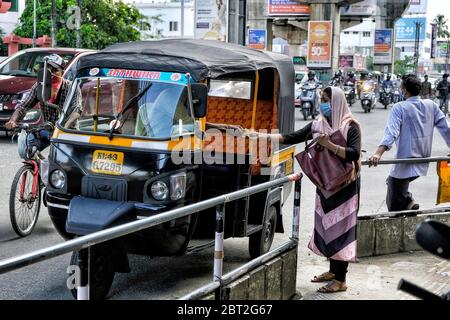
x=161, y=113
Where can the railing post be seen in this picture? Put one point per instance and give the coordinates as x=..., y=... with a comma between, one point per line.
x=218, y=248
x=296, y=213
x=83, y=261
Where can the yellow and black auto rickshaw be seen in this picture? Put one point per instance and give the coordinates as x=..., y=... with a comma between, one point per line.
x=133, y=142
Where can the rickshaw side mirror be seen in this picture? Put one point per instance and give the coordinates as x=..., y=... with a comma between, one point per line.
x=44, y=89
x=199, y=99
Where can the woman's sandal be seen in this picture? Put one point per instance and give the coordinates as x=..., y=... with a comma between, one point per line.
x=325, y=277
x=334, y=287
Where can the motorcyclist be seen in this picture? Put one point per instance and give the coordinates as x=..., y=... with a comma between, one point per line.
x=388, y=82
x=350, y=78
x=312, y=80
x=40, y=140
x=338, y=77
x=444, y=88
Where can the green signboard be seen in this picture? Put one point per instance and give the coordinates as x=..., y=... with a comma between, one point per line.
x=301, y=61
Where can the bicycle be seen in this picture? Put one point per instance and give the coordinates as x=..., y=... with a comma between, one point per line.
x=27, y=186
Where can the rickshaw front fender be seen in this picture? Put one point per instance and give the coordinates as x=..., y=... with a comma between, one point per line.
x=88, y=215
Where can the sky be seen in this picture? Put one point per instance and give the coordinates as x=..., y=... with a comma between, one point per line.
x=436, y=7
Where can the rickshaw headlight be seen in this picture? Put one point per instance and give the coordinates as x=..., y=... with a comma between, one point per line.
x=58, y=179
x=160, y=191
x=178, y=186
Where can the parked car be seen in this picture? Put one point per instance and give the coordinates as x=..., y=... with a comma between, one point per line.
x=18, y=74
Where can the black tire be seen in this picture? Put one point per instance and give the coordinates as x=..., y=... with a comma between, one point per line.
x=24, y=214
x=101, y=273
x=260, y=242
x=305, y=114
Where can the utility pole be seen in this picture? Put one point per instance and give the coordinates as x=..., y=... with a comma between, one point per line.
x=182, y=18
x=34, y=24
x=417, y=47
x=78, y=24
x=53, y=18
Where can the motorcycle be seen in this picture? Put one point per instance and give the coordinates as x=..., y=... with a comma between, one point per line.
x=368, y=97
x=309, y=100
x=396, y=95
x=434, y=237
x=386, y=96
x=350, y=93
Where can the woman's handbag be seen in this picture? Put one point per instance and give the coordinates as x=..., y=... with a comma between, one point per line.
x=327, y=171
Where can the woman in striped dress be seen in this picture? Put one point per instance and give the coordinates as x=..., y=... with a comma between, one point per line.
x=335, y=215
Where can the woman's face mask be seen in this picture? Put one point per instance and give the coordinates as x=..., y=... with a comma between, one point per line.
x=325, y=108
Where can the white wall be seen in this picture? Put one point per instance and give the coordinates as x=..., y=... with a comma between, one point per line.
x=9, y=20
x=169, y=11
x=353, y=39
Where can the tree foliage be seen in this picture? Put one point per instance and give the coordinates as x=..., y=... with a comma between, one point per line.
x=405, y=66
x=103, y=22
x=442, y=26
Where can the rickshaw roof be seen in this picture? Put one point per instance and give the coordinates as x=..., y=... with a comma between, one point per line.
x=202, y=59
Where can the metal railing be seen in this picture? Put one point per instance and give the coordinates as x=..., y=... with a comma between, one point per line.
x=82, y=244
x=409, y=161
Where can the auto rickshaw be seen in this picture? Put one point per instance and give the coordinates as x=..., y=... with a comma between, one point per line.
x=133, y=142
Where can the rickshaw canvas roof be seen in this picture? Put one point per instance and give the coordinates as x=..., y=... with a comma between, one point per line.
x=202, y=59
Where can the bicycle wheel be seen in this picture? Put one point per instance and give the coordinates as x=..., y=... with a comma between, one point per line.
x=23, y=207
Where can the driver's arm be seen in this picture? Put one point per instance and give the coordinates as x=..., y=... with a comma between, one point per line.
x=24, y=107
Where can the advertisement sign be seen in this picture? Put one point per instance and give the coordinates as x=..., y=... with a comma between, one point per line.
x=359, y=62
x=346, y=61
x=443, y=49
x=363, y=8
x=287, y=8
x=405, y=29
x=383, y=46
x=320, y=44
x=257, y=38
x=417, y=6
x=211, y=19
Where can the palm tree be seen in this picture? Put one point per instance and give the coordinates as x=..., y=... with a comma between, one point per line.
x=442, y=26
x=442, y=32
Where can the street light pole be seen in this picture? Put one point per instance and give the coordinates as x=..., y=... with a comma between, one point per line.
x=53, y=18
x=182, y=18
x=34, y=24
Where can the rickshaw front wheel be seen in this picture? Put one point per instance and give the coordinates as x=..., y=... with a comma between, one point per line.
x=261, y=242
x=101, y=272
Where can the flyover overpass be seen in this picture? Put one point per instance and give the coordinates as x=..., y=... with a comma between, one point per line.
x=294, y=28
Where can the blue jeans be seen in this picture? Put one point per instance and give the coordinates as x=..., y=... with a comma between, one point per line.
x=40, y=143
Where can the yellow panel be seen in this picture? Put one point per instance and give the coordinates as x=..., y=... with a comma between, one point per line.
x=443, y=170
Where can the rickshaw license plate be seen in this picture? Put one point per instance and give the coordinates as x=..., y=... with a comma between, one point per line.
x=107, y=162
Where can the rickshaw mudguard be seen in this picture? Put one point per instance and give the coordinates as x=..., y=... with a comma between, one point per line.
x=88, y=215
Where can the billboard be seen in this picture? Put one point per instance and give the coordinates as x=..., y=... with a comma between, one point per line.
x=287, y=8
x=211, y=20
x=383, y=46
x=443, y=49
x=257, y=38
x=363, y=8
x=346, y=61
x=320, y=44
x=417, y=6
x=405, y=29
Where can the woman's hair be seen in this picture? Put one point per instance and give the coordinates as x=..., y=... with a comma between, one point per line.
x=329, y=92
